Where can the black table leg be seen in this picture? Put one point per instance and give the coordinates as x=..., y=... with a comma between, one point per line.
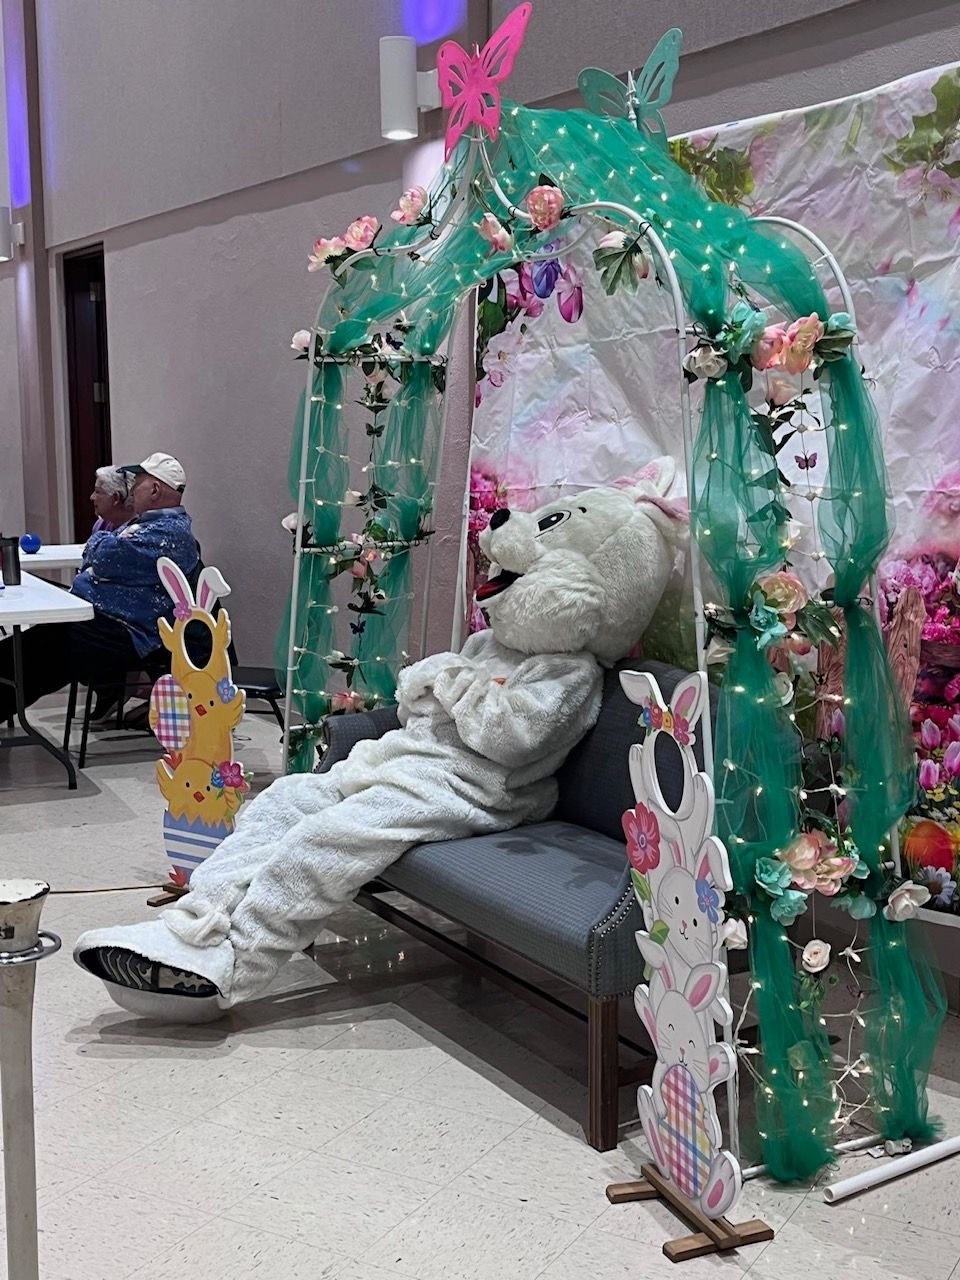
x=33, y=735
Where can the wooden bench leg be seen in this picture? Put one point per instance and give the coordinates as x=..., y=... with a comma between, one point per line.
x=603, y=1062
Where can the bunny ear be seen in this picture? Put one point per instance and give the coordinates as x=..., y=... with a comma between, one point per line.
x=178, y=588
x=658, y=474
x=640, y=685
x=689, y=697
x=702, y=986
x=714, y=864
x=212, y=587
x=641, y=1002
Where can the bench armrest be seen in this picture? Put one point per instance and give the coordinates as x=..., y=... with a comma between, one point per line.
x=342, y=732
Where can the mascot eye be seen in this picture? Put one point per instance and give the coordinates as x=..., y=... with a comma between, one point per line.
x=677, y=901
x=695, y=922
x=692, y=1044
x=552, y=520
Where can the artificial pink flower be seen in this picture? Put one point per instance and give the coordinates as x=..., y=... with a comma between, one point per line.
x=231, y=771
x=951, y=760
x=837, y=723
x=813, y=863
x=347, y=702
x=953, y=728
x=929, y=774
x=570, y=295
x=802, y=853
x=831, y=873
x=360, y=233
x=182, y=611
x=324, y=250
x=795, y=642
x=768, y=348
x=495, y=234
x=784, y=592
x=642, y=830
x=800, y=339
x=410, y=206
x=545, y=206
x=681, y=730
x=656, y=715
x=930, y=735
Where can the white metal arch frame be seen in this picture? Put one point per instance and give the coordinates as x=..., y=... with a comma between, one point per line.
x=683, y=328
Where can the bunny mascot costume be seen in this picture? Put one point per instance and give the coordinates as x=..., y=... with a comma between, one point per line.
x=572, y=587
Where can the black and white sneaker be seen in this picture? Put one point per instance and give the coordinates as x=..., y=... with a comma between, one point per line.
x=137, y=973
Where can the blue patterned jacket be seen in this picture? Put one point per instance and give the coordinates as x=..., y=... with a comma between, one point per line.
x=118, y=575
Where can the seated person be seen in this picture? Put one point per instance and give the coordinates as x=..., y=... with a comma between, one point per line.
x=119, y=578
x=111, y=498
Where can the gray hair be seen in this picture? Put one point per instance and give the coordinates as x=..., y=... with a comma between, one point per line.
x=113, y=480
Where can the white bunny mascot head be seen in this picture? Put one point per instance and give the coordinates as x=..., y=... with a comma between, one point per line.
x=586, y=572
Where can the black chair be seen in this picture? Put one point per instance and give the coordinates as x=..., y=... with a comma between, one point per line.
x=262, y=683
x=124, y=683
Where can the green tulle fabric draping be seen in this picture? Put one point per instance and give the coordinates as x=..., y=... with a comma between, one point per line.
x=738, y=521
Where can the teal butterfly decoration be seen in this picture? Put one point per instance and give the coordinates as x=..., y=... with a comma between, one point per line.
x=645, y=92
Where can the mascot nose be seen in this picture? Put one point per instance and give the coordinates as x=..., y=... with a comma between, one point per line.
x=499, y=517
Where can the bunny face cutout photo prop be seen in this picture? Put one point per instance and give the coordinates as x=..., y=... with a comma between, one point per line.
x=680, y=874
x=193, y=712
x=482, y=734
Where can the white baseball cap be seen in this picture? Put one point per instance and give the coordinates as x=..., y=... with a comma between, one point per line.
x=162, y=466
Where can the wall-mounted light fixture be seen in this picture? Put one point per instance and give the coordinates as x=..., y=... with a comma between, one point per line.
x=404, y=91
x=11, y=233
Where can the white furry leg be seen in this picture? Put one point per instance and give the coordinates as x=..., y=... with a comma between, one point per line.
x=217, y=886
x=320, y=865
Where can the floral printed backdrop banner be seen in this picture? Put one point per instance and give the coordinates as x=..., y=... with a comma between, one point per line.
x=573, y=384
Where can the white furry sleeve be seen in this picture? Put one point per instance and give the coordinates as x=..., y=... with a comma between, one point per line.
x=546, y=706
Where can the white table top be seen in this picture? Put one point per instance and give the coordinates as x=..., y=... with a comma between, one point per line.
x=36, y=601
x=67, y=555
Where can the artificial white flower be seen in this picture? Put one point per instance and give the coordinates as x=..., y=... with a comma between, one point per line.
x=718, y=650
x=816, y=956
x=784, y=687
x=300, y=340
x=613, y=240
x=905, y=901
x=705, y=361
x=352, y=498
x=734, y=934
x=291, y=523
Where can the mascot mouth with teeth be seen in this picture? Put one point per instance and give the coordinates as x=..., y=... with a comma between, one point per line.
x=571, y=589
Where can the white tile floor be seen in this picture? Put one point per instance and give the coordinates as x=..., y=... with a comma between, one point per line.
x=379, y=1116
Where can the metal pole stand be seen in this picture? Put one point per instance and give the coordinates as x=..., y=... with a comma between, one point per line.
x=21, y=946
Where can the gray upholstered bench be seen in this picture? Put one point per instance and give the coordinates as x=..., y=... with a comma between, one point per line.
x=555, y=894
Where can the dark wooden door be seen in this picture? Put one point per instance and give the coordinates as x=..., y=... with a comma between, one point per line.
x=87, y=378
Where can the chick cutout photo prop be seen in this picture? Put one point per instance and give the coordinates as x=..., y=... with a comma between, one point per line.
x=193, y=712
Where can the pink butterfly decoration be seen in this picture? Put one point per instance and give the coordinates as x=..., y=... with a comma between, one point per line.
x=805, y=462
x=469, y=83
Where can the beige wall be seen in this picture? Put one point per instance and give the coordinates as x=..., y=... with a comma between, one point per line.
x=207, y=142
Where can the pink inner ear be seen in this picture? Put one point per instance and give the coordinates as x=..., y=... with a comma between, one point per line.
x=685, y=701
x=174, y=585
x=677, y=853
x=702, y=991
x=703, y=870
x=650, y=1022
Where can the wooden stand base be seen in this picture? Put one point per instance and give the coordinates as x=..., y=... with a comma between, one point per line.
x=171, y=892
x=712, y=1235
